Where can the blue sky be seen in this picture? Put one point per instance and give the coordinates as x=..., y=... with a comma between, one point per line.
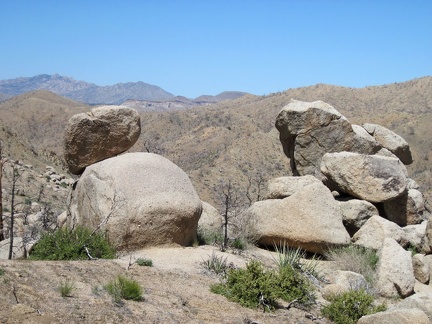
x=200, y=47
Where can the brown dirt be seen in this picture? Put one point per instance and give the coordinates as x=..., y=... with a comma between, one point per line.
x=176, y=290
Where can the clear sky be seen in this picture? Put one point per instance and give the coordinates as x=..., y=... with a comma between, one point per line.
x=196, y=47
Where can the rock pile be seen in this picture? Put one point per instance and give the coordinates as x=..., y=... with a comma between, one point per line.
x=350, y=184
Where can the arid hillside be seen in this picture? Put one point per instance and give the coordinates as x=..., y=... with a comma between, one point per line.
x=234, y=140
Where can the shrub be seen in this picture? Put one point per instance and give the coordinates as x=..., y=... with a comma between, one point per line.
x=348, y=307
x=65, y=244
x=144, y=262
x=1, y=272
x=124, y=288
x=293, y=257
x=356, y=259
x=216, y=264
x=256, y=286
x=205, y=237
x=66, y=288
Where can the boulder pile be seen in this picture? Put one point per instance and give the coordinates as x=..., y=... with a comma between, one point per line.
x=349, y=185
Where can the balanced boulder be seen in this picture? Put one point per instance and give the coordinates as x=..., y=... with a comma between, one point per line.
x=102, y=133
x=138, y=200
x=282, y=187
x=309, y=219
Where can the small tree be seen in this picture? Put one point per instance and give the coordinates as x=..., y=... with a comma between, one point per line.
x=230, y=208
x=15, y=176
x=1, y=195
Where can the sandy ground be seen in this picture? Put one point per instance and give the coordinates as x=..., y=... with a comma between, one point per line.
x=176, y=290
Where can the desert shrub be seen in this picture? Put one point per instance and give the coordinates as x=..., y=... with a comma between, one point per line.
x=255, y=286
x=348, y=307
x=286, y=256
x=66, y=288
x=356, y=259
x=238, y=243
x=65, y=244
x=144, y=262
x=1, y=272
x=206, y=237
x=124, y=288
x=216, y=264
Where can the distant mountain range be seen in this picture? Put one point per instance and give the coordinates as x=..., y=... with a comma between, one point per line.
x=93, y=94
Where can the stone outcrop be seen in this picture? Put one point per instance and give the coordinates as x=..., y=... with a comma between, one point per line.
x=308, y=130
x=138, y=200
x=310, y=219
x=391, y=141
x=210, y=221
x=396, y=316
x=370, y=177
x=102, y=133
x=408, y=209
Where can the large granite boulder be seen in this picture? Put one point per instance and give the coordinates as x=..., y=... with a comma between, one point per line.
x=373, y=178
x=391, y=141
x=396, y=316
x=309, y=219
x=99, y=134
x=138, y=200
x=408, y=209
x=308, y=130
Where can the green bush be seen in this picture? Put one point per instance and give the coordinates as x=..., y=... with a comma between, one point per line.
x=1, y=272
x=124, y=288
x=255, y=286
x=348, y=307
x=66, y=288
x=65, y=244
x=216, y=264
x=144, y=262
x=209, y=237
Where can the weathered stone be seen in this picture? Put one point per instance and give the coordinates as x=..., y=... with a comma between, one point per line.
x=138, y=199
x=343, y=282
x=428, y=236
x=421, y=268
x=422, y=301
x=309, y=219
x=395, y=273
x=415, y=235
x=210, y=221
x=102, y=133
x=308, y=130
x=408, y=209
x=396, y=316
x=355, y=213
x=282, y=187
x=391, y=141
x=369, y=177
x=376, y=229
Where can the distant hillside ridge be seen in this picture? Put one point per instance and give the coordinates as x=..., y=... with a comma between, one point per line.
x=181, y=103
x=82, y=91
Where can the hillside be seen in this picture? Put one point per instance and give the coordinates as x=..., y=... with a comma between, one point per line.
x=235, y=139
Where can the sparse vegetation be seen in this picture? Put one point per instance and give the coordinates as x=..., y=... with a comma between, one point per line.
x=209, y=238
x=65, y=244
x=1, y=272
x=144, y=262
x=124, y=288
x=348, y=307
x=66, y=288
x=216, y=264
x=256, y=286
x=356, y=259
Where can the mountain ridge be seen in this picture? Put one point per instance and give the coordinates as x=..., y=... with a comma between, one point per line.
x=92, y=94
